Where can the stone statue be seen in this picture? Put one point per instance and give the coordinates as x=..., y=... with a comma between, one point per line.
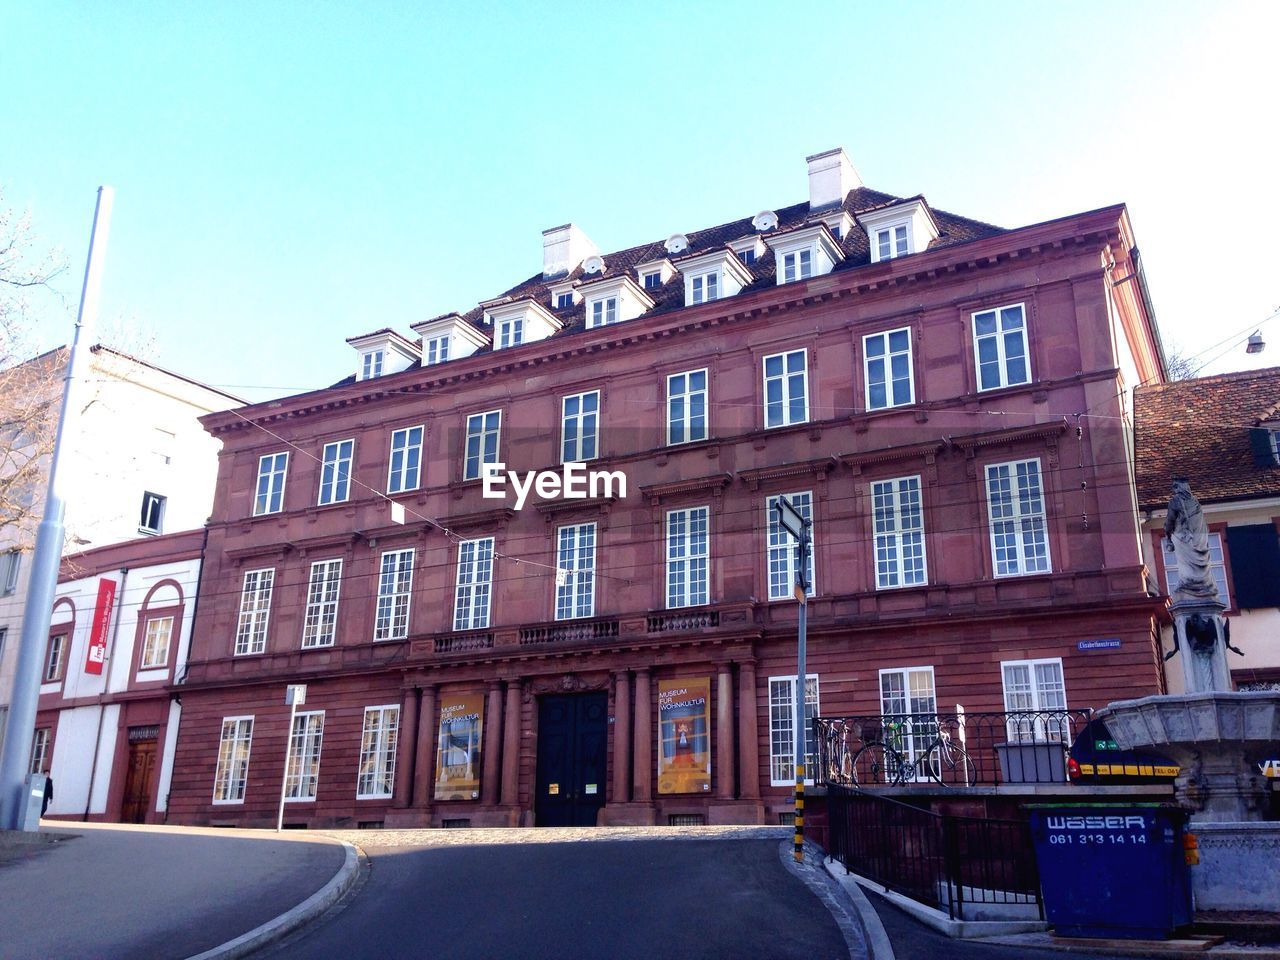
x=1189, y=536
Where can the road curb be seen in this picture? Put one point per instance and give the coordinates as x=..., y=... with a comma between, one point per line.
x=878, y=943
x=291, y=920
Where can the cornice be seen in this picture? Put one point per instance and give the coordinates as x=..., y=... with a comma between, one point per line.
x=911, y=451
x=713, y=484
x=754, y=479
x=494, y=519
x=975, y=441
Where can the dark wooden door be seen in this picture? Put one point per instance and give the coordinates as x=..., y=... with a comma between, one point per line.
x=573, y=735
x=140, y=781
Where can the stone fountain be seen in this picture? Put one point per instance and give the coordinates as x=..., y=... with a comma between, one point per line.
x=1217, y=737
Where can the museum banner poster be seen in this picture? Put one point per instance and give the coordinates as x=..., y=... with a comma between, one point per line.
x=96, y=655
x=458, y=748
x=684, y=741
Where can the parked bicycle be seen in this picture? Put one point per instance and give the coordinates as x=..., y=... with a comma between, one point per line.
x=899, y=753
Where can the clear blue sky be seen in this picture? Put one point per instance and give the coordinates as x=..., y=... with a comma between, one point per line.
x=291, y=174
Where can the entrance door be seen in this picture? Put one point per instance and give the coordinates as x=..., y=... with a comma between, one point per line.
x=139, y=783
x=572, y=740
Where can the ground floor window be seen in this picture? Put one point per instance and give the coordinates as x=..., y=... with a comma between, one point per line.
x=909, y=707
x=232, y=771
x=378, y=752
x=782, y=729
x=302, y=764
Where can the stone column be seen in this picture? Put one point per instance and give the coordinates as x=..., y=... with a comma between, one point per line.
x=424, y=766
x=492, y=744
x=621, y=736
x=724, y=733
x=511, y=746
x=748, y=742
x=405, y=749
x=642, y=779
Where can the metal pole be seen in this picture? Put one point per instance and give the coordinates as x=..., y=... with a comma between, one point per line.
x=38, y=610
x=802, y=594
x=288, y=746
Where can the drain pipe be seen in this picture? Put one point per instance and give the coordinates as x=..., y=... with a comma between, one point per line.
x=106, y=688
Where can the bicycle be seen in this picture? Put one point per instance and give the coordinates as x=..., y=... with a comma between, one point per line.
x=882, y=760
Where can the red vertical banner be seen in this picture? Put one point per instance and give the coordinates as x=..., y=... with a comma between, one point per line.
x=101, y=626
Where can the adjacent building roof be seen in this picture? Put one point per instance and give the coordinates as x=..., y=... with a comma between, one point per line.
x=1202, y=429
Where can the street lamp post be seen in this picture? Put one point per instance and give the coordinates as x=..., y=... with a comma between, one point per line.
x=799, y=528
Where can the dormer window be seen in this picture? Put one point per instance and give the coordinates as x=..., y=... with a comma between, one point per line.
x=655, y=273
x=524, y=321
x=807, y=252
x=564, y=301
x=892, y=242
x=564, y=295
x=704, y=288
x=651, y=280
x=381, y=353
x=603, y=312
x=797, y=265
x=748, y=257
x=614, y=300
x=446, y=338
x=713, y=276
x=508, y=332
x=371, y=365
x=748, y=249
x=435, y=350
x=899, y=229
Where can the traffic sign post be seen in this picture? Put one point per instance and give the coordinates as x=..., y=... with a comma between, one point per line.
x=798, y=527
x=295, y=695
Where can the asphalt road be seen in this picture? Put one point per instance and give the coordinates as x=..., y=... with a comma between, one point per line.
x=647, y=900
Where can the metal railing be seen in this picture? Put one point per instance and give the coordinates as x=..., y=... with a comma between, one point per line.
x=958, y=749
x=970, y=867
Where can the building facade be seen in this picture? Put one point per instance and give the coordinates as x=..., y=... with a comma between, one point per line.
x=1221, y=433
x=909, y=379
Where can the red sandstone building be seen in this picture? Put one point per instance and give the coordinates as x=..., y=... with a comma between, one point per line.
x=911, y=378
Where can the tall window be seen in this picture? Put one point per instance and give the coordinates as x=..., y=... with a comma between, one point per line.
x=797, y=265
x=510, y=333
x=687, y=407
x=580, y=427
x=302, y=763
x=782, y=548
x=55, y=660
x=886, y=359
x=10, y=564
x=255, y=610
x=1217, y=566
x=1019, y=530
x=371, y=365
x=907, y=699
x=152, y=518
x=892, y=242
x=155, y=643
x=406, y=460
x=1000, y=347
x=482, y=442
x=782, y=729
x=576, y=571
x=786, y=388
x=435, y=350
x=475, y=584
x=704, y=288
x=232, y=772
x=395, y=582
x=603, y=312
x=688, y=557
x=899, y=530
x=39, y=751
x=377, y=772
x=320, y=624
x=1036, y=687
x=270, y=495
x=335, y=472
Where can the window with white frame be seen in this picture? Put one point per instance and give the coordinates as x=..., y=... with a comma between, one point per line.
x=688, y=557
x=687, y=407
x=1273, y=436
x=39, y=751
x=564, y=301
x=376, y=776
x=652, y=280
x=1217, y=566
x=152, y=518
x=231, y=775
x=255, y=611
x=474, y=585
x=797, y=265
x=786, y=388
x=335, y=471
x=395, y=583
x=576, y=571
x=482, y=443
x=704, y=288
x=302, y=763
x=580, y=427
x=1000, y=347
x=406, y=460
x=1019, y=528
x=782, y=729
x=893, y=242
x=603, y=312
x=371, y=365
x=55, y=660
x=509, y=333
x=320, y=622
x=909, y=704
x=782, y=548
x=10, y=565
x=886, y=361
x=435, y=350
x=1034, y=690
x=270, y=493
x=155, y=643
x=899, y=532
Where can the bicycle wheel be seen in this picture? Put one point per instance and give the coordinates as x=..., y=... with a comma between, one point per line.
x=948, y=764
x=876, y=765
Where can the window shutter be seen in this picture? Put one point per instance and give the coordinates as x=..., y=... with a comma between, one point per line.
x=1255, y=565
x=1260, y=440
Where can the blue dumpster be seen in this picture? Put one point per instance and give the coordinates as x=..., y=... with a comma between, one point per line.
x=1112, y=870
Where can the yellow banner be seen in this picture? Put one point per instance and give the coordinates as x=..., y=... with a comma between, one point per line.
x=684, y=736
x=458, y=747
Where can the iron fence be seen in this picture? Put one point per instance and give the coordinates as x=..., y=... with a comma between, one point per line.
x=958, y=749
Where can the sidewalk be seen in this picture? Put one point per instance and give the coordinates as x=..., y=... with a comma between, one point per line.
x=114, y=890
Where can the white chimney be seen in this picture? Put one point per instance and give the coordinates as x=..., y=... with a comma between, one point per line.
x=831, y=177
x=563, y=248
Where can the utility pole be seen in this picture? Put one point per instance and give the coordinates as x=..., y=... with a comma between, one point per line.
x=799, y=528
x=15, y=758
